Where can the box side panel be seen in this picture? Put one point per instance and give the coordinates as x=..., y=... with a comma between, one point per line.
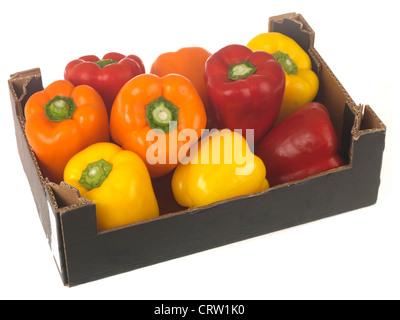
x=367, y=163
x=20, y=88
x=55, y=237
x=178, y=235
x=22, y=85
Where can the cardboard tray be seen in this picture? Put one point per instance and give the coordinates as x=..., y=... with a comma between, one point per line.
x=82, y=254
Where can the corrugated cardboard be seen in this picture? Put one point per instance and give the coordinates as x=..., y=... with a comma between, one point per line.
x=82, y=254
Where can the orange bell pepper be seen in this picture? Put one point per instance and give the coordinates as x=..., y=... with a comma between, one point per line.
x=62, y=120
x=149, y=115
x=190, y=63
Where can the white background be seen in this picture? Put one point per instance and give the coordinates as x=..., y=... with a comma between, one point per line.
x=351, y=256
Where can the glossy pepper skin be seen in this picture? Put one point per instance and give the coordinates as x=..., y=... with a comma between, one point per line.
x=106, y=76
x=117, y=181
x=149, y=114
x=245, y=88
x=190, y=63
x=221, y=167
x=62, y=120
x=302, y=145
x=301, y=82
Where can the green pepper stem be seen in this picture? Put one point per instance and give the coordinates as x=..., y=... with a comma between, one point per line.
x=241, y=70
x=60, y=108
x=105, y=62
x=162, y=114
x=95, y=174
x=286, y=62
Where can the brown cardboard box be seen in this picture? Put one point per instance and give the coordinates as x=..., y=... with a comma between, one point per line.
x=82, y=254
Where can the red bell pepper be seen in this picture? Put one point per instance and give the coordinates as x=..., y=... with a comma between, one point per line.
x=106, y=76
x=302, y=145
x=246, y=89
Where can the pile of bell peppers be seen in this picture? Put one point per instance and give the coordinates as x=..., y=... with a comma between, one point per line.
x=110, y=129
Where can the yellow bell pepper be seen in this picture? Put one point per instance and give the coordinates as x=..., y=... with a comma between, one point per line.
x=302, y=83
x=117, y=181
x=220, y=166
